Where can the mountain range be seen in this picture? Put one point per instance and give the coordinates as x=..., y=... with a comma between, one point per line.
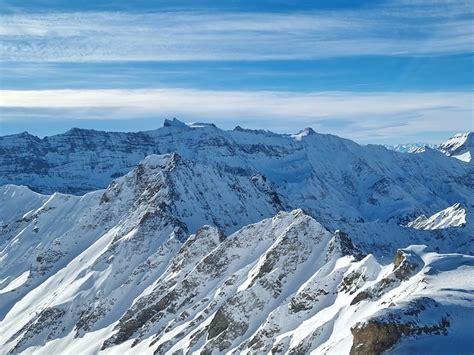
x=192, y=239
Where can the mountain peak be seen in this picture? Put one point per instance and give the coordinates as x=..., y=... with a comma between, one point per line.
x=174, y=123
x=154, y=161
x=463, y=135
x=460, y=146
x=21, y=135
x=308, y=131
x=453, y=216
x=77, y=131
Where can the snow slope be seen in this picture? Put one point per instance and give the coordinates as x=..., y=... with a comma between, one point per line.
x=285, y=284
x=44, y=240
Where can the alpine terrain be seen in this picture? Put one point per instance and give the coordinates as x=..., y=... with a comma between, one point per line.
x=192, y=239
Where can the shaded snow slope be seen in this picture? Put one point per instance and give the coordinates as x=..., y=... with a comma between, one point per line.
x=18, y=200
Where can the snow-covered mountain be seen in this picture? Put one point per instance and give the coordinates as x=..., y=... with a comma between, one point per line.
x=461, y=146
x=81, y=160
x=410, y=147
x=285, y=284
x=331, y=177
x=232, y=242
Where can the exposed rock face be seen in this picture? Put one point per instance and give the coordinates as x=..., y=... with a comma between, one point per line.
x=384, y=331
x=47, y=324
x=343, y=243
x=373, y=338
x=405, y=264
x=362, y=295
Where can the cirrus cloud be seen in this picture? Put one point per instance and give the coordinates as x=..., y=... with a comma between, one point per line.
x=397, y=28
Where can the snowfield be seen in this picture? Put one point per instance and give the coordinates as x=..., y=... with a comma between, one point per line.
x=190, y=239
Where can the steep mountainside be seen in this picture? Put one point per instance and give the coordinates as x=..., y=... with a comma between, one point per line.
x=285, y=284
x=232, y=242
x=162, y=191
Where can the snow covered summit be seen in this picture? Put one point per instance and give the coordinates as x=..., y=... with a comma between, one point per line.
x=460, y=146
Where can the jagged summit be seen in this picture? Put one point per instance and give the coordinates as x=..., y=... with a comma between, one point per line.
x=194, y=193
x=25, y=135
x=458, y=140
x=174, y=123
x=460, y=146
x=303, y=133
x=77, y=130
x=154, y=160
x=410, y=147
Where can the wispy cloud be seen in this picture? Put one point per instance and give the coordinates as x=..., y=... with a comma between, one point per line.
x=394, y=29
x=361, y=116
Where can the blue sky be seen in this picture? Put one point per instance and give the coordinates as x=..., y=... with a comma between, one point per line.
x=372, y=71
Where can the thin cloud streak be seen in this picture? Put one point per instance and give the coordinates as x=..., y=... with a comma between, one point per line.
x=209, y=36
x=360, y=115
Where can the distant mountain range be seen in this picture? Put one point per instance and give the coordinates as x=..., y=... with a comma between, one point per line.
x=410, y=147
x=459, y=146
x=190, y=238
